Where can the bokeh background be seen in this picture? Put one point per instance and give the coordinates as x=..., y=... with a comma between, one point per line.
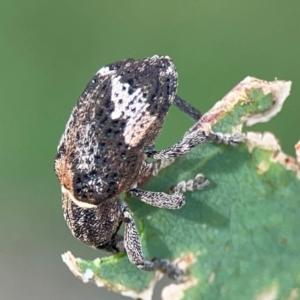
x=49, y=50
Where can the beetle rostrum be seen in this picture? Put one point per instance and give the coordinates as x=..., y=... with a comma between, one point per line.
x=103, y=153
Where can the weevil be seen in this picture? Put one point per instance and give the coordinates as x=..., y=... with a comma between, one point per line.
x=104, y=149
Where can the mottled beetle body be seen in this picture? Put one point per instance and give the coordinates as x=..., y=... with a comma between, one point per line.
x=120, y=112
x=104, y=148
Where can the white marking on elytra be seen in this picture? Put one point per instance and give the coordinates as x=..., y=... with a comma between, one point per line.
x=133, y=111
x=86, y=136
x=105, y=71
x=121, y=99
x=170, y=70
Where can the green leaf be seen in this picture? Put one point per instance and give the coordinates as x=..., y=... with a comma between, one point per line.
x=239, y=237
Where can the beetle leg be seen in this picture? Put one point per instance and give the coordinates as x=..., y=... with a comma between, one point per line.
x=133, y=248
x=195, y=138
x=188, y=109
x=160, y=199
x=175, y=199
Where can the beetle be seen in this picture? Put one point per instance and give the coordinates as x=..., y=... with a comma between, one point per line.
x=104, y=149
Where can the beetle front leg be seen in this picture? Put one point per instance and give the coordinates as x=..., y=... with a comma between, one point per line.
x=134, y=251
x=159, y=199
x=187, y=108
x=175, y=199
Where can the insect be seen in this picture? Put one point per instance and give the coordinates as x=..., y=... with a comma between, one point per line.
x=104, y=149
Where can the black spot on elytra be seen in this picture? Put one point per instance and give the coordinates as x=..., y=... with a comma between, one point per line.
x=102, y=122
x=130, y=81
x=164, y=109
x=62, y=150
x=131, y=91
x=93, y=174
x=97, y=160
x=108, y=133
x=99, y=114
x=102, y=146
x=114, y=123
x=107, y=104
x=169, y=90
x=77, y=180
x=85, y=178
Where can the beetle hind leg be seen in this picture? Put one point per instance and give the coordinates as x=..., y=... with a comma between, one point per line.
x=134, y=251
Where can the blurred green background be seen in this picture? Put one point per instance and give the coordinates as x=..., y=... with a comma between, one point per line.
x=51, y=49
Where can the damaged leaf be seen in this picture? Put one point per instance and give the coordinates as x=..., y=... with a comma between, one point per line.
x=239, y=237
